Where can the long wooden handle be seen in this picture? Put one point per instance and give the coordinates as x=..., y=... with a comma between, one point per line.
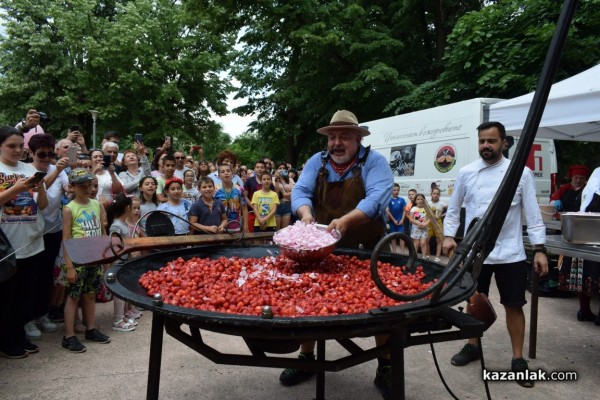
x=97, y=250
x=437, y=229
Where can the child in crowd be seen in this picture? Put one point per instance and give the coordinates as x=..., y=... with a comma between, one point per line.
x=190, y=190
x=82, y=217
x=264, y=202
x=132, y=313
x=420, y=225
x=438, y=208
x=176, y=205
x=251, y=185
x=117, y=214
x=134, y=217
x=395, y=214
x=148, y=197
x=411, y=202
x=207, y=215
x=168, y=173
x=232, y=199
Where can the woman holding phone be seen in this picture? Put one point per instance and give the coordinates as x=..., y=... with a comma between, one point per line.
x=41, y=148
x=108, y=181
x=130, y=178
x=21, y=220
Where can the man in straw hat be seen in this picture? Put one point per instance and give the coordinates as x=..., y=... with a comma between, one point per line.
x=348, y=188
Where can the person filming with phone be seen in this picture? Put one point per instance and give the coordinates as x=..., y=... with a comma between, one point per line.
x=136, y=165
x=30, y=125
x=75, y=135
x=22, y=197
x=108, y=181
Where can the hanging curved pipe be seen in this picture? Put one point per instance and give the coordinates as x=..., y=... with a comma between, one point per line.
x=480, y=239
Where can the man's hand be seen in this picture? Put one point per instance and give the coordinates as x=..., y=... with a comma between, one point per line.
x=305, y=214
x=32, y=119
x=339, y=224
x=540, y=264
x=449, y=245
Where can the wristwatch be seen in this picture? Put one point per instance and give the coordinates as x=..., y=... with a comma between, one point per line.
x=540, y=250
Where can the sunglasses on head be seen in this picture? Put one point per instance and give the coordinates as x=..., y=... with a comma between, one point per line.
x=43, y=154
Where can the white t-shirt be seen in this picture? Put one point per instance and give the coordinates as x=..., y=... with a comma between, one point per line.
x=52, y=213
x=20, y=218
x=105, y=186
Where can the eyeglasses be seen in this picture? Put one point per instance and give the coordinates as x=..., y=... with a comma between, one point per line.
x=43, y=154
x=179, y=158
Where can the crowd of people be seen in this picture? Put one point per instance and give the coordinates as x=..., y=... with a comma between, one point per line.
x=55, y=190
x=51, y=191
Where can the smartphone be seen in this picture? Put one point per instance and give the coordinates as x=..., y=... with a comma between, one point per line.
x=72, y=155
x=37, y=177
x=169, y=139
x=107, y=161
x=138, y=137
x=74, y=128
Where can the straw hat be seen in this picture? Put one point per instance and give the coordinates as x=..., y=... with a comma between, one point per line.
x=344, y=119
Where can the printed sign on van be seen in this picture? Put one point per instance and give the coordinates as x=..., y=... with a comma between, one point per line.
x=402, y=160
x=445, y=158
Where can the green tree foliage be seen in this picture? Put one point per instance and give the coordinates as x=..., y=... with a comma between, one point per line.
x=499, y=52
x=301, y=61
x=146, y=65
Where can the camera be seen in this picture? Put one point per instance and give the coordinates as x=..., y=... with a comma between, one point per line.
x=44, y=118
x=283, y=173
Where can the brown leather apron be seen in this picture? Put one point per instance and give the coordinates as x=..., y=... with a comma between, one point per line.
x=335, y=199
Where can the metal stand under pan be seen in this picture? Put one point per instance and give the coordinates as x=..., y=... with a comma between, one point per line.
x=407, y=324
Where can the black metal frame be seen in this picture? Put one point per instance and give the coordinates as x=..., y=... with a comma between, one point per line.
x=447, y=323
x=404, y=323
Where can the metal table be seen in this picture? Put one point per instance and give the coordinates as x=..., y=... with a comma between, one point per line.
x=555, y=244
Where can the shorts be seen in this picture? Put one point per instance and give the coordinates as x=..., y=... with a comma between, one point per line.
x=284, y=209
x=511, y=280
x=89, y=280
x=418, y=233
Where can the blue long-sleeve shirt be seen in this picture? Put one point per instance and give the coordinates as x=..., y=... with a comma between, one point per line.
x=376, y=175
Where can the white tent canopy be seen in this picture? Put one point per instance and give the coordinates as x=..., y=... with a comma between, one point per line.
x=572, y=111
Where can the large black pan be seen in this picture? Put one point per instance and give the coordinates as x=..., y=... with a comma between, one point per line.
x=124, y=283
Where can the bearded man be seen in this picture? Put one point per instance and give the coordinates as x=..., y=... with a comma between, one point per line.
x=347, y=188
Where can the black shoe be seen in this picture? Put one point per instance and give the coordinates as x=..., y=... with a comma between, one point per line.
x=467, y=354
x=96, y=336
x=581, y=316
x=292, y=376
x=56, y=315
x=520, y=365
x=383, y=381
x=29, y=347
x=13, y=352
x=73, y=345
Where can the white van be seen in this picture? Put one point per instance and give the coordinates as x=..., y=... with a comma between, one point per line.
x=427, y=148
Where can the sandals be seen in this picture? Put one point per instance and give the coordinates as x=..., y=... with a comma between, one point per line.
x=123, y=326
x=133, y=314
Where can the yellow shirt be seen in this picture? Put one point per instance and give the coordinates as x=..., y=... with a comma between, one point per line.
x=265, y=202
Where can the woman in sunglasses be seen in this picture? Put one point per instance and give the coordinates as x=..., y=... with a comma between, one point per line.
x=41, y=148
